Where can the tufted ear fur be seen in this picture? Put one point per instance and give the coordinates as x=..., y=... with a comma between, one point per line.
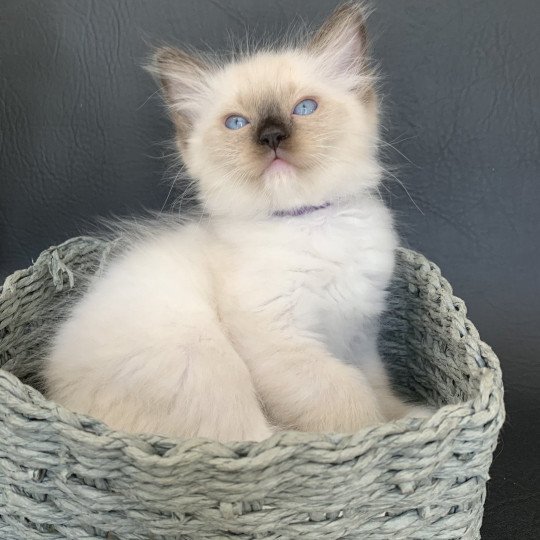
x=184, y=82
x=341, y=44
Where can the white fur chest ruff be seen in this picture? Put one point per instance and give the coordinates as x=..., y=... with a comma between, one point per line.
x=322, y=273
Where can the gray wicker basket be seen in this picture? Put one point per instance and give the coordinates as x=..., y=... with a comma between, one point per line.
x=63, y=475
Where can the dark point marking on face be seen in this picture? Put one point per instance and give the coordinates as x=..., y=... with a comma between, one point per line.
x=272, y=131
x=273, y=125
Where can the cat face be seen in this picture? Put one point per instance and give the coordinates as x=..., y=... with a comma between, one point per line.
x=281, y=129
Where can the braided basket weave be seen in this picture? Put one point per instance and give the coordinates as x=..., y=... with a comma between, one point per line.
x=64, y=475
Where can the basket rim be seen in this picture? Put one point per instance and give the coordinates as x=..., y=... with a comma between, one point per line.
x=151, y=446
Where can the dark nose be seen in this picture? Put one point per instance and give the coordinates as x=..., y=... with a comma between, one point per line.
x=272, y=136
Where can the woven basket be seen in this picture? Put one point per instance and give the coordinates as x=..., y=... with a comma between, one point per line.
x=64, y=475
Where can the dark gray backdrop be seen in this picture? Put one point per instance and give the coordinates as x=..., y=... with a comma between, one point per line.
x=81, y=136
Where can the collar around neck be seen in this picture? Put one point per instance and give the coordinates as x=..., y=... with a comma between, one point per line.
x=300, y=211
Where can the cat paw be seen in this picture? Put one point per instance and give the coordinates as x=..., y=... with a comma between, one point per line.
x=419, y=411
x=260, y=434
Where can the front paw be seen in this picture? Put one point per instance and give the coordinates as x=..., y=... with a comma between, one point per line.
x=419, y=411
x=346, y=406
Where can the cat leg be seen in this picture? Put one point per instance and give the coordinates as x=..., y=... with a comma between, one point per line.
x=367, y=358
x=191, y=386
x=303, y=387
x=395, y=407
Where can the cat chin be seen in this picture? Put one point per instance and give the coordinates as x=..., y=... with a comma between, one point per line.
x=279, y=167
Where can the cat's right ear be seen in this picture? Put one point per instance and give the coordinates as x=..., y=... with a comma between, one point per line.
x=184, y=82
x=341, y=42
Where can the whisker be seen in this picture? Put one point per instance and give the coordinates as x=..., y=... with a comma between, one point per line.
x=386, y=171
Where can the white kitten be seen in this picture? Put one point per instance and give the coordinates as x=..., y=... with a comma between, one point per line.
x=264, y=315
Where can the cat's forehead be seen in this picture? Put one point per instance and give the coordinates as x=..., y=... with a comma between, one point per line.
x=266, y=82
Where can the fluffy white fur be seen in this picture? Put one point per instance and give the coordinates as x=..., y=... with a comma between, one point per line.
x=245, y=322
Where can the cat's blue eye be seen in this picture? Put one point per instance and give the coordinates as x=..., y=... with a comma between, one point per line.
x=306, y=106
x=236, y=122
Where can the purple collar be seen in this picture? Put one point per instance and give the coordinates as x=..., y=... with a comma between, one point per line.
x=301, y=211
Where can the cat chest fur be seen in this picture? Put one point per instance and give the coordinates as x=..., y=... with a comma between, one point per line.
x=323, y=274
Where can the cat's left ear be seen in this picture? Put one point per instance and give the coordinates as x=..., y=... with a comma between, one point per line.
x=341, y=42
x=184, y=83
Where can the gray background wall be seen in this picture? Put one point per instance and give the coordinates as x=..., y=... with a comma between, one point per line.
x=81, y=135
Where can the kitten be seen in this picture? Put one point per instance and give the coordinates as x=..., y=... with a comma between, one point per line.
x=264, y=315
